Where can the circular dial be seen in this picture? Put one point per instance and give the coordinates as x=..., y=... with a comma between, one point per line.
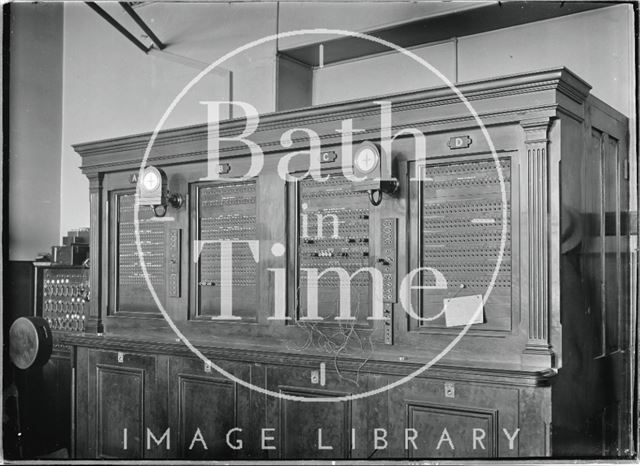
x=366, y=159
x=150, y=180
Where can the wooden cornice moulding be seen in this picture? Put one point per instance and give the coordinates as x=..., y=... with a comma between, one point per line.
x=489, y=119
x=536, y=130
x=98, y=154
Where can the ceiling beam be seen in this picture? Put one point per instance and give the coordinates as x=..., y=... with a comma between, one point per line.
x=118, y=26
x=140, y=22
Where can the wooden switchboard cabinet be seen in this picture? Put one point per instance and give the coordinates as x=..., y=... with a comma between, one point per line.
x=529, y=213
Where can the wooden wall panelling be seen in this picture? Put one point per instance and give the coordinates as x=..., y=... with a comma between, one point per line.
x=626, y=336
x=592, y=417
x=573, y=402
x=612, y=369
x=614, y=297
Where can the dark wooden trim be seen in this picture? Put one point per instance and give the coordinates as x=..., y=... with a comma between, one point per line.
x=97, y=250
x=74, y=374
x=263, y=355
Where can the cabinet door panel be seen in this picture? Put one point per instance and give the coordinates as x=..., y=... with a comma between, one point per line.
x=127, y=391
x=206, y=406
x=470, y=432
x=431, y=405
x=120, y=410
x=302, y=424
x=347, y=426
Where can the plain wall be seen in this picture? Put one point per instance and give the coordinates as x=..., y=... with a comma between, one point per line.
x=112, y=89
x=389, y=73
x=597, y=45
x=35, y=122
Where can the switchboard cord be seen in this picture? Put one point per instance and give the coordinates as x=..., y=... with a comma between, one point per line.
x=338, y=341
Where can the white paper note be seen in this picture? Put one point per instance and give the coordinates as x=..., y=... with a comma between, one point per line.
x=462, y=310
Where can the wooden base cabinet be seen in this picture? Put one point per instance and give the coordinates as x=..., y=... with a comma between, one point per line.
x=143, y=404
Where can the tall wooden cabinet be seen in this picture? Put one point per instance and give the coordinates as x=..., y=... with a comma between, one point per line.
x=547, y=371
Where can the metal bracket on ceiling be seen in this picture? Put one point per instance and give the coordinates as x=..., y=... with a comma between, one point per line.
x=120, y=28
x=140, y=22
